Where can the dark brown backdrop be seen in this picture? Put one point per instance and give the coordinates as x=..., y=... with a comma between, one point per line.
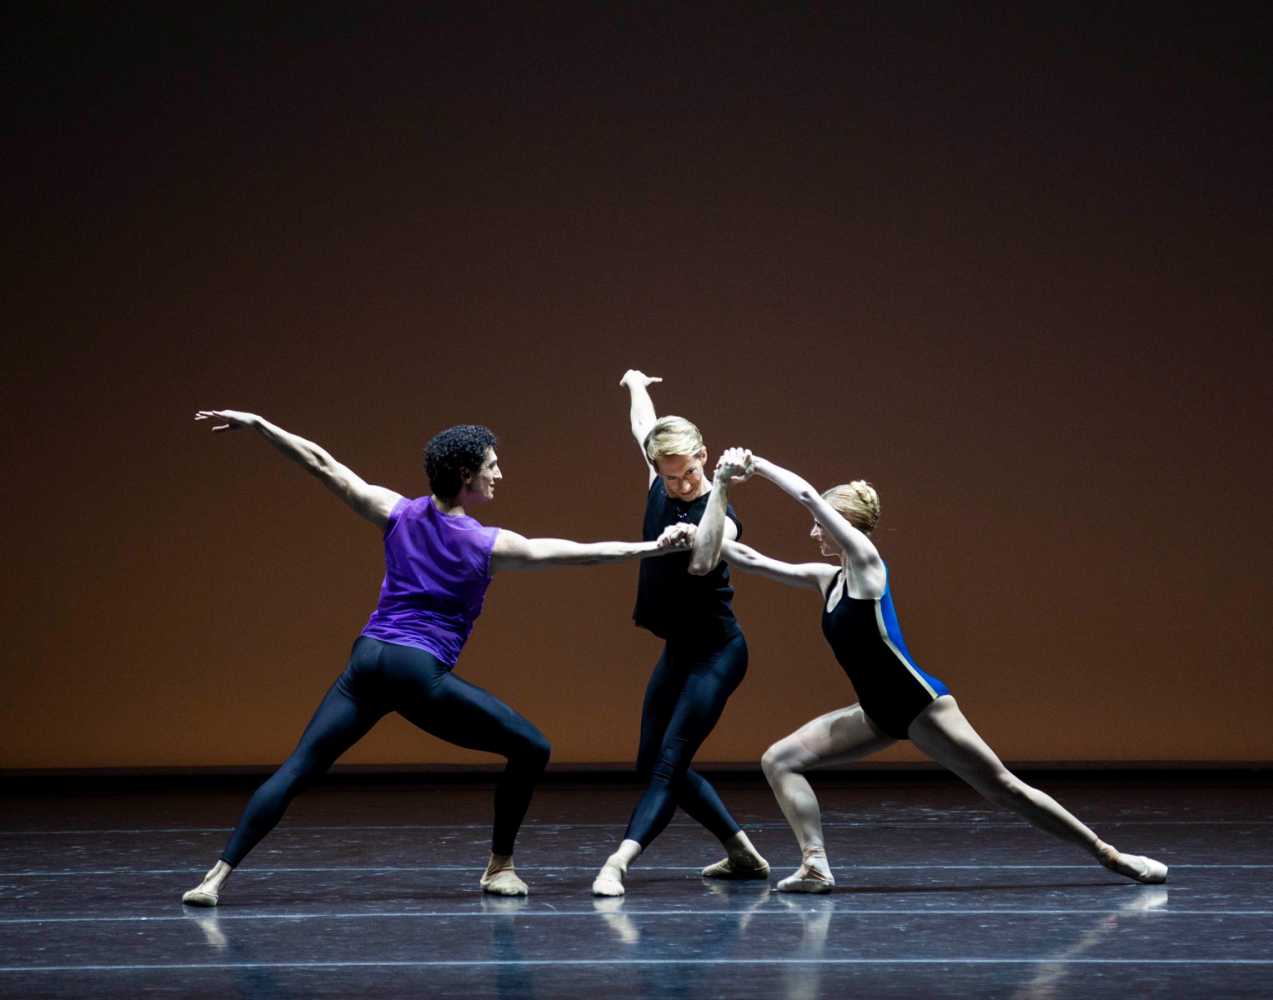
x=1013, y=270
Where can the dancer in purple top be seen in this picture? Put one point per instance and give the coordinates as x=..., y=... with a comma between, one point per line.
x=438, y=564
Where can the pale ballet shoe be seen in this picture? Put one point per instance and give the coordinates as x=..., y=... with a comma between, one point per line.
x=1147, y=871
x=751, y=866
x=503, y=882
x=806, y=879
x=208, y=892
x=609, y=882
x=199, y=896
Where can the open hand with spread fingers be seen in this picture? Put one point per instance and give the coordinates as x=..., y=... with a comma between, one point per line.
x=234, y=419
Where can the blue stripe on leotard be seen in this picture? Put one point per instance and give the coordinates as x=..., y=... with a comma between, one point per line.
x=891, y=632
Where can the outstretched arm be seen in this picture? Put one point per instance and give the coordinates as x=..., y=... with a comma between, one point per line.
x=514, y=551
x=860, y=549
x=372, y=502
x=744, y=557
x=714, y=528
x=641, y=413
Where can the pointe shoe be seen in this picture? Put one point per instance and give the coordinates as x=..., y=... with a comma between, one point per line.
x=806, y=879
x=750, y=867
x=1147, y=871
x=504, y=882
x=609, y=882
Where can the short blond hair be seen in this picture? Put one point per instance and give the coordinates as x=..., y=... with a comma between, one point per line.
x=672, y=436
x=858, y=502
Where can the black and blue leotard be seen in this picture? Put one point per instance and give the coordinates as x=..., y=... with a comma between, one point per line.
x=868, y=643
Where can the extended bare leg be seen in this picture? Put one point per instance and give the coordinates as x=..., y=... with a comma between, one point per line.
x=943, y=733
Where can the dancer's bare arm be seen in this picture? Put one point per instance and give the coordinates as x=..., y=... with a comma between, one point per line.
x=514, y=551
x=372, y=502
x=641, y=413
x=714, y=528
x=860, y=550
x=816, y=575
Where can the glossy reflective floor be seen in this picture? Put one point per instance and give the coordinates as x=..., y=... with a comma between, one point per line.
x=372, y=890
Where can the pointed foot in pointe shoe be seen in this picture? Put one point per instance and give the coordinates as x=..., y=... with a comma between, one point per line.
x=200, y=897
x=809, y=882
x=504, y=882
x=1144, y=870
x=754, y=867
x=1140, y=869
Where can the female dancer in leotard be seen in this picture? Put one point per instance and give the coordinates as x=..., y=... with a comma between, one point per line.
x=897, y=700
x=438, y=564
x=687, y=604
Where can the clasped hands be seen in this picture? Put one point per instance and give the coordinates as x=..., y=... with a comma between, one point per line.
x=734, y=465
x=678, y=536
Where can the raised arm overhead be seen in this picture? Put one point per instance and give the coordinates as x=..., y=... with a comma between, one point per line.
x=641, y=413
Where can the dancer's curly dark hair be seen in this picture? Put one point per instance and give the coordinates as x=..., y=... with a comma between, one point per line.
x=452, y=451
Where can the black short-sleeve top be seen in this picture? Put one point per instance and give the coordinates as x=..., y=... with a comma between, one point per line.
x=672, y=603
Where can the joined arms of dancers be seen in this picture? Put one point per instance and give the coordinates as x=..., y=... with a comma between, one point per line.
x=863, y=559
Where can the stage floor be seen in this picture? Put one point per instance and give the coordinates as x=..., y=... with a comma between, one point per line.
x=372, y=891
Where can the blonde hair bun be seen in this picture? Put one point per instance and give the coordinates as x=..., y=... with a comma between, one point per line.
x=857, y=502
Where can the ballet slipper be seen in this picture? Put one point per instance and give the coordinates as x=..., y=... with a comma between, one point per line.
x=504, y=882
x=748, y=867
x=807, y=879
x=609, y=881
x=743, y=861
x=1147, y=871
x=208, y=892
x=500, y=879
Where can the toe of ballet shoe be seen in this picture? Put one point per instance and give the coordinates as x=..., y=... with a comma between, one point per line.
x=1153, y=873
x=199, y=897
x=609, y=887
x=730, y=870
x=504, y=884
x=809, y=885
x=1140, y=869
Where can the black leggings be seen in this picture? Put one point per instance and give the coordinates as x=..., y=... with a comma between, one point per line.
x=684, y=699
x=381, y=678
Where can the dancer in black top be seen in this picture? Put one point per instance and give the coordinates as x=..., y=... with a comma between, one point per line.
x=898, y=700
x=687, y=604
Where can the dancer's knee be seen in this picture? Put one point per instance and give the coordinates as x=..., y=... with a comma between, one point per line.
x=778, y=760
x=534, y=752
x=296, y=774
x=671, y=765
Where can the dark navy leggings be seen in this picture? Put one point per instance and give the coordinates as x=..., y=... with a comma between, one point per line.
x=381, y=678
x=684, y=699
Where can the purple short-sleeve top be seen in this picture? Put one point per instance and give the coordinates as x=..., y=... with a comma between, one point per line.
x=437, y=569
